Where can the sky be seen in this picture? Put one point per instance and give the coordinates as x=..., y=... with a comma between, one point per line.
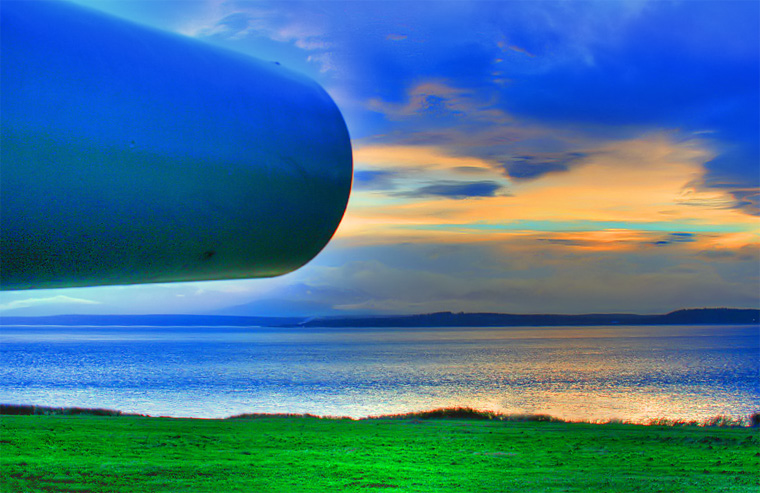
x=509, y=156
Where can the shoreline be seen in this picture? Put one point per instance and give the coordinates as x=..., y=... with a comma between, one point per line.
x=458, y=413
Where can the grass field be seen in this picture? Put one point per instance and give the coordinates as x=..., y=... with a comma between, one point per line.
x=83, y=453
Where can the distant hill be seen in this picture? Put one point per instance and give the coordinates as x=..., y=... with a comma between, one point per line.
x=153, y=320
x=714, y=316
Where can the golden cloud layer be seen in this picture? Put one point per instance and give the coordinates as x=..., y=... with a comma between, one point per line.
x=652, y=180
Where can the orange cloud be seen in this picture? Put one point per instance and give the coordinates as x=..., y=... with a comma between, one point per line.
x=436, y=97
x=632, y=184
x=414, y=157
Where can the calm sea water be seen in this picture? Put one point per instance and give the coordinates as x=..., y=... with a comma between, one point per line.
x=598, y=373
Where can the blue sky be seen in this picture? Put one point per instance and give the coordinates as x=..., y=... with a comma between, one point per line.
x=509, y=156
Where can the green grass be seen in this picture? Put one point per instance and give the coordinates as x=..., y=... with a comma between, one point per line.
x=41, y=453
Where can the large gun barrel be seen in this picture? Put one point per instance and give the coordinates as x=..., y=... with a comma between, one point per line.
x=132, y=155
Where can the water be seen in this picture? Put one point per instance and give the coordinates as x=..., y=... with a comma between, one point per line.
x=588, y=373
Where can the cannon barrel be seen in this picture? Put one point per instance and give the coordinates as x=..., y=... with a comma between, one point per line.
x=132, y=155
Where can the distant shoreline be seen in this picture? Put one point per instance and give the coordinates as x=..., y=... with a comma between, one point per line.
x=695, y=316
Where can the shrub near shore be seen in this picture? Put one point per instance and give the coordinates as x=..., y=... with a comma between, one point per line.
x=413, y=453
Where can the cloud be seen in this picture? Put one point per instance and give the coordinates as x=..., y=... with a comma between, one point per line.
x=468, y=123
x=628, y=85
x=524, y=274
x=374, y=179
x=744, y=253
x=416, y=172
x=404, y=158
x=462, y=122
x=531, y=167
x=437, y=99
x=601, y=72
x=455, y=190
x=643, y=184
x=233, y=26
x=748, y=201
x=52, y=300
x=297, y=36
x=237, y=20
x=682, y=237
x=675, y=238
